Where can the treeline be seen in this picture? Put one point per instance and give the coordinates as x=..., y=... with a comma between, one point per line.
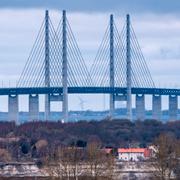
x=115, y=133
x=35, y=139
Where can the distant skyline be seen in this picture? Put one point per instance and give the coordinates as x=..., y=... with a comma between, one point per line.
x=156, y=24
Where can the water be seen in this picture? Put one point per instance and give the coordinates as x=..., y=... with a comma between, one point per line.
x=84, y=115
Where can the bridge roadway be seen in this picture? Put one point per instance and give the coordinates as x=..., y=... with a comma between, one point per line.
x=88, y=90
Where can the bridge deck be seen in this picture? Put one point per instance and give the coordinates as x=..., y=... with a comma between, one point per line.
x=88, y=90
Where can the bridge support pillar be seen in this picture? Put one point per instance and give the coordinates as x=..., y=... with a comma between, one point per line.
x=112, y=105
x=156, y=107
x=47, y=106
x=140, y=107
x=173, y=107
x=13, y=108
x=33, y=107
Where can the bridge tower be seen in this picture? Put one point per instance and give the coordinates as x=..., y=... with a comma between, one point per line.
x=128, y=68
x=112, y=96
x=64, y=69
x=47, y=68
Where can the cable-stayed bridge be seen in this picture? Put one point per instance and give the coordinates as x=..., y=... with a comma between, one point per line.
x=56, y=68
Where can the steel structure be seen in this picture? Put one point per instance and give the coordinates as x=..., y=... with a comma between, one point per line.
x=89, y=90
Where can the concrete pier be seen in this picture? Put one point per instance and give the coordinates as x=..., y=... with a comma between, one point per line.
x=173, y=107
x=33, y=107
x=156, y=107
x=13, y=108
x=140, y=107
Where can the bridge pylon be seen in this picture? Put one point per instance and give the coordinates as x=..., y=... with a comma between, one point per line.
x=112, y=96
x=64, y=69
x=47, y=68
x=128, y=68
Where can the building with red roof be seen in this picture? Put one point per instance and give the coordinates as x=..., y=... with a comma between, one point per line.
x=133, y=154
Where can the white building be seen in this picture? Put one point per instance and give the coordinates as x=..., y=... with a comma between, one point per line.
x=133, y=154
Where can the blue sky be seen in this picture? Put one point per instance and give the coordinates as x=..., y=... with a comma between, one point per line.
x=156, y=22
x=136, y=6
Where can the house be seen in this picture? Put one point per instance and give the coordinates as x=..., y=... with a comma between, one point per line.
x=133, y=154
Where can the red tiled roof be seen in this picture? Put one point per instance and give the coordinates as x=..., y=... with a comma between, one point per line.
x=131, y=150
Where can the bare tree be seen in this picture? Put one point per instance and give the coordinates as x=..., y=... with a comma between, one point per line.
x=5, y=156
x=100, y=164
x=94, y=160
x=165, y=160
x=177, y=168
x=110, y=166
x=76, y=157
x=57, y=164
x=66, y=163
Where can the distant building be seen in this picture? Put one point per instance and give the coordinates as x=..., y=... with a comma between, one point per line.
x=133, y=154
